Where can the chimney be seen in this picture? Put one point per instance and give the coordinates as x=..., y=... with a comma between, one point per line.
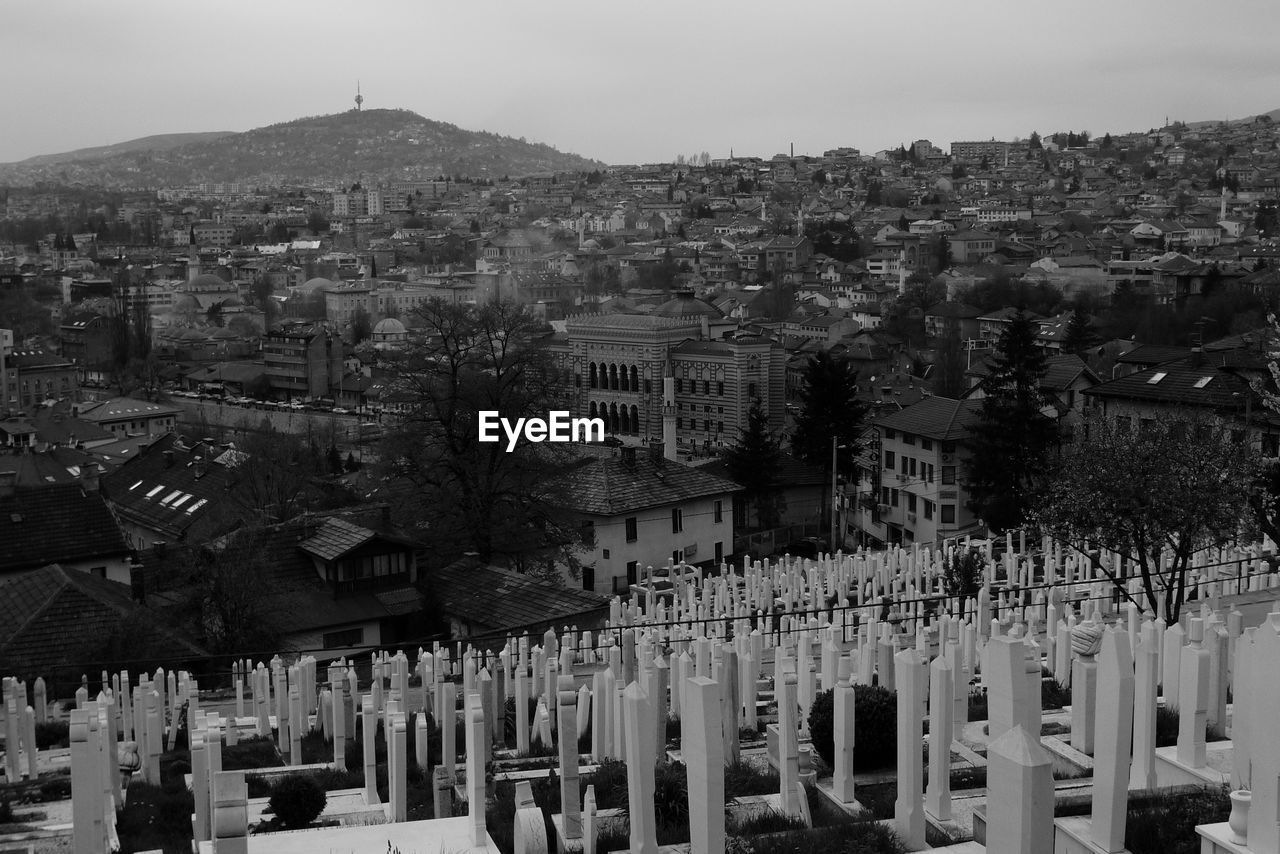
x=199, y=467
x=629, y=457
x=656, y=453
x=168, y=459
x=89, y=477
x=8, y=483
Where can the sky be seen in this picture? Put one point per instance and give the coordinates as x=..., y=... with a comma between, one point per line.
x=635, y=82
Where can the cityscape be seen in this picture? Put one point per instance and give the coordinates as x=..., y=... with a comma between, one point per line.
x=374, y=482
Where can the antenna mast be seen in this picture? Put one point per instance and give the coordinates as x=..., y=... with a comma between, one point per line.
x=359, y=97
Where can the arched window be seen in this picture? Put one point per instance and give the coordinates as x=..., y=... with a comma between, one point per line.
x=613, y=377
x=593, y=403
x=635, y=379
x=635, y=419
x=624, y=423
x=613, y=418
x=593, y=376
x=622, y=379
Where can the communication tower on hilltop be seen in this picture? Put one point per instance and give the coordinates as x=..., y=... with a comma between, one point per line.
x=359, y=97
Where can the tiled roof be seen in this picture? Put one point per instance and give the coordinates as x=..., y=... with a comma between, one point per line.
x=167, y=497
x=500, y=600
x=935, y=417
x=53, y=618
x=608, y=486
x=56, y=523
x=1153, y=354
x=335, y=538
x=1183, y=383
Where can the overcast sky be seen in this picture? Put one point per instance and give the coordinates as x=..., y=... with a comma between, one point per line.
x=635, y=82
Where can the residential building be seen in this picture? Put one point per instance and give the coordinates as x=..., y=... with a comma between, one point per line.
x=302, y=360
x=646, y=510
x=68, y=524
x=913, y=490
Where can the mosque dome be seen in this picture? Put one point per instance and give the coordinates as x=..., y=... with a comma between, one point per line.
x=685, y=304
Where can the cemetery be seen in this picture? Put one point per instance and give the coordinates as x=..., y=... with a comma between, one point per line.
x=850, y=703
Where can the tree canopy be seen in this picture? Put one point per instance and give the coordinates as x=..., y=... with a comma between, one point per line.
x=1013, y=436
x=1158, y=491
x=469, y=496
x=755, y=463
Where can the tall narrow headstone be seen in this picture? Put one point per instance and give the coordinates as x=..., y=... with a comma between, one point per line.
x=638, y=730
x=566, y=712
x=369, y=728
x=475, y=770
x=703, y=748
x=1111, y=763
x=844, y=729
x=911, y=674
x=1193, y=705
x=937, y=797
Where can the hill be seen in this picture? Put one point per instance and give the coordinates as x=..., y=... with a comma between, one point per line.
x=159, y=142
x=336, y=149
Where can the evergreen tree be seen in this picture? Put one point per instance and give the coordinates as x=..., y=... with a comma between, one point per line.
x=755, y=463
x=829, y=412
x=1080, y=335
x=949, y=364
x=1013, y=437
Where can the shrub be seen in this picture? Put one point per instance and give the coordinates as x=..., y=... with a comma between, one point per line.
x=297, y=800
x=52, y=734
x=251, y=753
x=256, y=786
x=875, y=727
x=671, y=793
x=865, y=837
x=6, y=812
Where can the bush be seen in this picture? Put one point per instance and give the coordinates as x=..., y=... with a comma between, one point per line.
x=52, y=734
x=297, y=800
x=742, y=779
x=862, y=838
x=978, y=706
x=671, y=793
x=6, y=812
x=770, y=821
x=55, y=789
x=875, y=727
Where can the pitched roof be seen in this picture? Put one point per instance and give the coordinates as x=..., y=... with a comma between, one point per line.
x=56, y=523
x=53, y=618
x=500, y=600
x=170, y=486
x=1184, y=383
x=609, y=486
x=126, y=407
x=935, y=417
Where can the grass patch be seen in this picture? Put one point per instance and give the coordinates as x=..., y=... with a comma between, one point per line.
x=1166, y=824
x=860, y=838
x=1167, y=728
x=1053, y=694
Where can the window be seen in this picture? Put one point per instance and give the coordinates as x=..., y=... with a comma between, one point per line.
x=648, y=386
x=908, y=439
x=911, y=502
x=948, y=514
x=751, y=389
x=902, y=465
x=948, y=447
x=926, y=444
x=893, y=498
x=706, y=387
x=911, y=467
x=719, y=512
x=589, y=578
x=889, y=460
x=677, y=520
x=928, y=508
x=606, y=554
x=928, y=472
x=679, y=385
x=948, y=475
x=346, y=637
x=633, y=571
x=719, y=552
x=890, y=434
x=679, y=423
x=677, y=556
x=98, y=571
x=720, y=389
x=631, y=529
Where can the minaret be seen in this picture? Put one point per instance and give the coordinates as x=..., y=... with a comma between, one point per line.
x=359, y=97
x=1222, y=204
x=669, y=415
